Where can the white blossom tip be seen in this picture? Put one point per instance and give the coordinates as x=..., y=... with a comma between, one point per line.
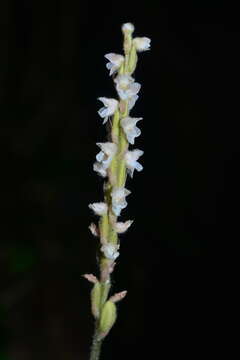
x=128, y=27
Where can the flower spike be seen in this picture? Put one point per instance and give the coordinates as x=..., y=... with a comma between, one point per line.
x=115, y=162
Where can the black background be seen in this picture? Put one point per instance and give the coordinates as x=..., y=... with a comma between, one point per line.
x=175, y=259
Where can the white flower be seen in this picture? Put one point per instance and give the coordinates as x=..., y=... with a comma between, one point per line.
x=110, y=106
x=142, y=43
x=130, y=129
x=131, y=158
x=121, y=227
x=104, y=157
x=99, y=208
x=110, y=251
x=100, y=169
x=118, y=199
x=108, y=150
x=126, y=87
x=128, y=27
x=115, y=62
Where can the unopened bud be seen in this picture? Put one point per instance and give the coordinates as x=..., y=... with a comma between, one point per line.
x=107, y=319
x=96, y=299
x=128, y=27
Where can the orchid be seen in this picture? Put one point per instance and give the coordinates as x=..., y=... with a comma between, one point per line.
x=109, y=108
x=108, y=150
x=126, y=87
x=130, y=129
x=104, y=157
x=119, y=199
x=115, y=62
x=131, y=158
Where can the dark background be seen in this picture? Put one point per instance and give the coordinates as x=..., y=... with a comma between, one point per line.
x=175, y=259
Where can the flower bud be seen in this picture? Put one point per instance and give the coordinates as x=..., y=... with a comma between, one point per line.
x=107, y=319
x=96, y=299
x=128, y=28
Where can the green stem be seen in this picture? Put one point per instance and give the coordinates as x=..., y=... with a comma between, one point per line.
x=96, y=346
x=97, y=343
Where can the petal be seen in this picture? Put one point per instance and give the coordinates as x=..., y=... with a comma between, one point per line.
x=100, y=156
x=132, y=101
x=98, y=167
x=99, y=208
x=138, y=166
x=102, y=112
x=109, y=65
x=134, y=88
x=121, y=227
x=142, y=43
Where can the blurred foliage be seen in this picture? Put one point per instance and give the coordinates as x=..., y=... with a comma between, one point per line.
x=4, y=334
x=21, y=259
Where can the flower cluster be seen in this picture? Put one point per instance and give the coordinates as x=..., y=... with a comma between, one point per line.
x=121, y=68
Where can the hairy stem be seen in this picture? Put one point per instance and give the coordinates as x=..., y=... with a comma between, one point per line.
x=96, y=346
